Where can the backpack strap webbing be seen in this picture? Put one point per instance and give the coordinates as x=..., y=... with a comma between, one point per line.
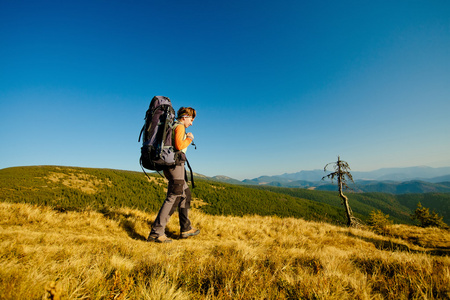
x=140, y=134
x=142, y=167
x=166, y=124
x=192, y=174
x=147, y=115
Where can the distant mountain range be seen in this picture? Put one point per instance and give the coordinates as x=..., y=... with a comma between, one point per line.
x=419, y=179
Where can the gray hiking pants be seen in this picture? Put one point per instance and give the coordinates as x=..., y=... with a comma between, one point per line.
x=178, y=196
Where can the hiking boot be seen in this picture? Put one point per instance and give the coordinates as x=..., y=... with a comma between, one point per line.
x=192, y=232
x=159, y=239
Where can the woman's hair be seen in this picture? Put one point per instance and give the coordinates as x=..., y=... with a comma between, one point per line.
x=186, y=112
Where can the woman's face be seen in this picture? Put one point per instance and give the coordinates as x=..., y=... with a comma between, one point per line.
x=187, y=121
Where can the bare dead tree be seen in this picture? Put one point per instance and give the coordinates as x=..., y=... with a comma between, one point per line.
x=342, y=174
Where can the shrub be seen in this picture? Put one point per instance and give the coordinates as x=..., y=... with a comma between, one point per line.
x=427, y=219
x=379, y=221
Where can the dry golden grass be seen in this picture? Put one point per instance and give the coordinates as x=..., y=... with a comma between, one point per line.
x=84, y=182
x=46, y=254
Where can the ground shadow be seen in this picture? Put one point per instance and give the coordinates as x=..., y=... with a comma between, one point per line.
x=130, y=229
x=390, y=245
x=124, y=222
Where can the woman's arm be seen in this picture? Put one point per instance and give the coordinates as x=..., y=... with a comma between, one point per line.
x=180, y=142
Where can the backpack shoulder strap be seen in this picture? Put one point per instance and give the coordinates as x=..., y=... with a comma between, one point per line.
x=147, y=115
x=166, y=125
x=175, y=125
x=192, y=174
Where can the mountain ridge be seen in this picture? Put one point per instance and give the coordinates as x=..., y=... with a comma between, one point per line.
x=420, y=179
x=400, y=174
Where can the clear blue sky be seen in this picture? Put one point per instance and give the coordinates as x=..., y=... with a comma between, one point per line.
x=279, y=86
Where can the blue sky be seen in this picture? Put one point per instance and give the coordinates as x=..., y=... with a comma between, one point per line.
x=279, y=86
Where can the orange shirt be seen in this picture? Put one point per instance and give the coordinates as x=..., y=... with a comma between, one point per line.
x=180, y=141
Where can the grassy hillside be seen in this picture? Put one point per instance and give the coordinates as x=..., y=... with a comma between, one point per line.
x=398, y=207
x=80, y=233
x=102, y=255
x=70, y=188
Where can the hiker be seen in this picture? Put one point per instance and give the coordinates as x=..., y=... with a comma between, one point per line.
x=178, y=192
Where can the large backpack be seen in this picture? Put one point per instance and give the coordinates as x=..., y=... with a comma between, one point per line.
x=157, y=151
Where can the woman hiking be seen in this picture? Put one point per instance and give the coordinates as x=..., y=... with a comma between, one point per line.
x=178, y=192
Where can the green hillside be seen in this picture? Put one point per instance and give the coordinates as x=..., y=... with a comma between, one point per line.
x=398, y=207
x=73, y=188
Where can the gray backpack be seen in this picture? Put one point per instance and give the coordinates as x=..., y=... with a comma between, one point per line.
x=157, y=151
